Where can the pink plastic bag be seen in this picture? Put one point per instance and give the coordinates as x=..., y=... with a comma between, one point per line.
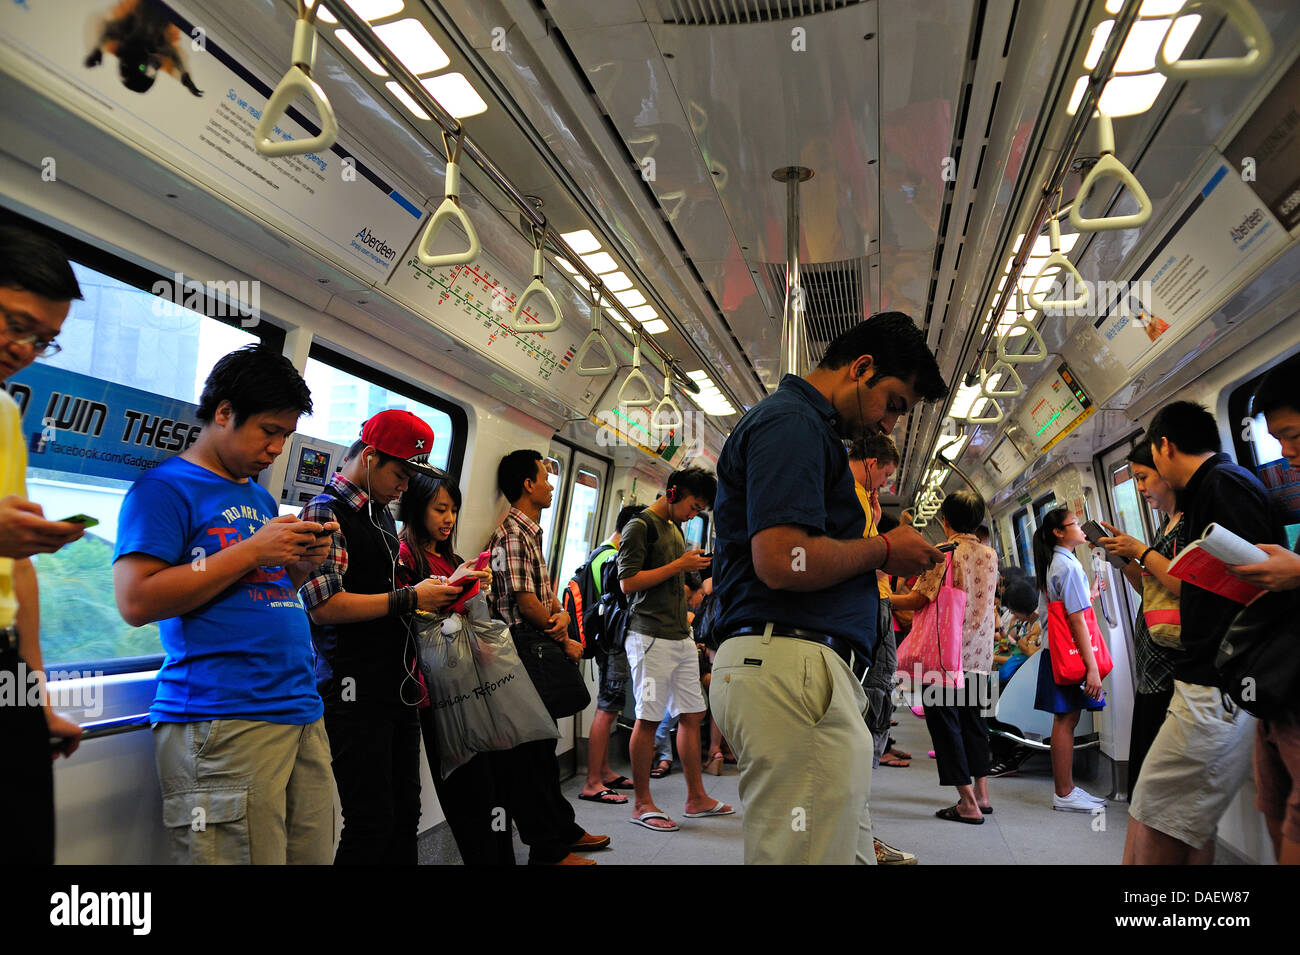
x=931, y=653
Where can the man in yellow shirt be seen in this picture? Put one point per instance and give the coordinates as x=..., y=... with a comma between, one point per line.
x=873, y=459
x=37, y=287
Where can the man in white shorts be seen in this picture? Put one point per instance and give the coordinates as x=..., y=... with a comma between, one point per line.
x=652, y=564
x=1202, y=754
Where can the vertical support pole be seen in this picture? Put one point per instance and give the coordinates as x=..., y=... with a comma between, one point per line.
x=794, y=346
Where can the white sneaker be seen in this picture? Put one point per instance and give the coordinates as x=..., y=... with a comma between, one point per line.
x=1077, y=801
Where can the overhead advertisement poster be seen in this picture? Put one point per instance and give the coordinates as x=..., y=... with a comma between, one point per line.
x=1224, y=233
x=173, y=89
x=1267, y=149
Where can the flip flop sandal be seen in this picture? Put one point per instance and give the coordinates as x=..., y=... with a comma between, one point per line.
x=952, y=815
x=987, y=810
x=890, y=759
x=622, y=782
x=660, y=770
x=644, y=823
x=600, y=797
x=719, y=809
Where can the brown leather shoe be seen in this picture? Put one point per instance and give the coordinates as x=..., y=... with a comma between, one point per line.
x=571, y=859
x=589, y=842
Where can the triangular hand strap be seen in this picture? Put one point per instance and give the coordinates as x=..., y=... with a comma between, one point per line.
x=1108, y=165
x=450, y=209
x=297, y=80
x=1259, y=45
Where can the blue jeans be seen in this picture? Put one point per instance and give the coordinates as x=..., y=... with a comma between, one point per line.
x=663, y=738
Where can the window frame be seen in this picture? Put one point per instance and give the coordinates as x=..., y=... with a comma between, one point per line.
x=329, y=355
x=143, y=278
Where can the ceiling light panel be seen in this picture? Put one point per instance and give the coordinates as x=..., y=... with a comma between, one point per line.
x=359, y=51
x=405, y=99
x=581, y=242
x=375, y=9
x=455, y=94
x=412, y=44
x=616, y=281
x=600, y=262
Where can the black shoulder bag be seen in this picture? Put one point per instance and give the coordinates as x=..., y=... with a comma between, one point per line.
x=1259, y=658
x=557, y=679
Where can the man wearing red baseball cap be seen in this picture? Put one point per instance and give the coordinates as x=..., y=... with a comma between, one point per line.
x=366, y=656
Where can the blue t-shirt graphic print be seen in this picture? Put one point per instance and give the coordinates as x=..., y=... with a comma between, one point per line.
x=247, y=653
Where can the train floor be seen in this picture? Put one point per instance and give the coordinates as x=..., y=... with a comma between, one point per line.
x=1022, y=830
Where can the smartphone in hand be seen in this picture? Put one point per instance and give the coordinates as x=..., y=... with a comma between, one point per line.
x=84, y=520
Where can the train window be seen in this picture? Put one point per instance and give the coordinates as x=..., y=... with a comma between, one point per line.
x=580, y=526
x=1041, y=506
x=1128, y=502
x=547, y=520
x=1258, y=450
x=1024, y=534
x=345, y=393
x=118, y=342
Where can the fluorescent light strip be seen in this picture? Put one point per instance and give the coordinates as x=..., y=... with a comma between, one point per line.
x=412, y=44
x=375, y=9
x=455, y=94
x=581, y=241
x=405, y=99
x=600, y=262
x=359, y=51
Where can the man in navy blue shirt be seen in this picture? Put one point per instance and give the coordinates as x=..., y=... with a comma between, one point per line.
x=796, y=588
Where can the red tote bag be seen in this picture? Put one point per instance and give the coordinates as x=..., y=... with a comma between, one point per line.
x=933, y=648
x=1067, y=665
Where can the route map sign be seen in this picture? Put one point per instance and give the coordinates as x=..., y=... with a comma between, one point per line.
x=1055, y=407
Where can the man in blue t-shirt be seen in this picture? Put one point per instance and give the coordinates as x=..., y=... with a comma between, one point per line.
x=243, y=758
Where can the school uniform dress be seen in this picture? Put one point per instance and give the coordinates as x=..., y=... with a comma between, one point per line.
x=1067, y=583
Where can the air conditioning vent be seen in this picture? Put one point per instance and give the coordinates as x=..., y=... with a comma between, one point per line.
x=712, y=13
x=834, y=298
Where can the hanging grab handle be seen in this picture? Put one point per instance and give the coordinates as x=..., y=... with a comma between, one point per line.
x=667, y=402
x=1108, y=165
x=1014, y=392
x=1259, y=45
x=297, y=80
x=1027, y=358
x=1058, y=261
x=537, y=287
x=594, y=339
x=450, y=209
x=986, y=418
x=635, y=376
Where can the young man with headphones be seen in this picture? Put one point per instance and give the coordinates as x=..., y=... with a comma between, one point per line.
x=652, y=565
x=366, y=663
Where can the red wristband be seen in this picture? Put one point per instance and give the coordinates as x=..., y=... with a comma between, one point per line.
x=888, y=550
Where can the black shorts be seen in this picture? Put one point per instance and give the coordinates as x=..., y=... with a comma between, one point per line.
x=614, y=674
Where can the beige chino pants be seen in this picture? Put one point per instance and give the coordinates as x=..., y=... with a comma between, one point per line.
x=246, y=792
x=793, y=712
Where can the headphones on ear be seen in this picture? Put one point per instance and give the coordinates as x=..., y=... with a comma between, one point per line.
x=672, y=494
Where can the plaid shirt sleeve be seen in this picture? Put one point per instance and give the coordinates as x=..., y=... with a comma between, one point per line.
x=520, y=574
x=327, y=579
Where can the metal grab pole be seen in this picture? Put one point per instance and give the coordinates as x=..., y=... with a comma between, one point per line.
x=793, y=330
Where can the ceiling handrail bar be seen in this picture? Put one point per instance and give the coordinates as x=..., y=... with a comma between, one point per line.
x=594, y=339
x=1241, y=14
x=1108, y=165
x=297, y=79
x=364, y=34
x=448, y=210
x=538, y=287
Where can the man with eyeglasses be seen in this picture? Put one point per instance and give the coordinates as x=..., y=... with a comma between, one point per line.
x=652, y=565
x=37, y=287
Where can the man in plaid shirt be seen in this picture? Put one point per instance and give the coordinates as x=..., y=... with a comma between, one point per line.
x=366, y=657
x=523, y=597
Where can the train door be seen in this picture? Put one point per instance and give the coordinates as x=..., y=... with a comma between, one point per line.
x=557, y=466
x=1129, y=512
x=580, y=532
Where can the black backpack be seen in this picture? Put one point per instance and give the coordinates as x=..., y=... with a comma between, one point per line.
x=615, y=612
x=583, y=606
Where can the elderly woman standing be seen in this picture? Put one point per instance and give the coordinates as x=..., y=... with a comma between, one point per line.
x=960, y=735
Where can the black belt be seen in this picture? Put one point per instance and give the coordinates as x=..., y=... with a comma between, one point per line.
x=8, y=639
x=838, y=644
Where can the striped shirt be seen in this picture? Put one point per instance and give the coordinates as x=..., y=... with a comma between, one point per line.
x=1155, y=664
x=518, y=566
